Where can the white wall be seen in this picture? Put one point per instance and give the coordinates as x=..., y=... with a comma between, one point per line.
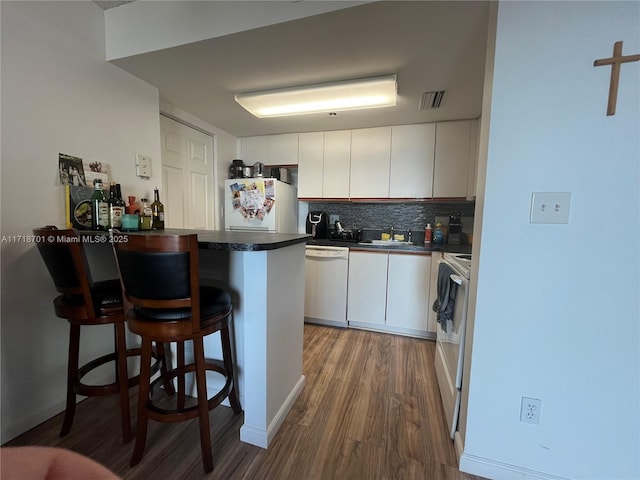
x=58, y=95
x=557, y=314
x=141, y=27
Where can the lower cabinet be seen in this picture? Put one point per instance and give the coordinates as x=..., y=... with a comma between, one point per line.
x=390, y=292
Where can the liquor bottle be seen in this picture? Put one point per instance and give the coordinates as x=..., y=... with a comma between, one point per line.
x=157, y=209
x=99, y=208
x=146, y=215
x=116, y=207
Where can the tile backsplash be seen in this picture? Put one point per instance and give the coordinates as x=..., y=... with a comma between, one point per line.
x=377, y=217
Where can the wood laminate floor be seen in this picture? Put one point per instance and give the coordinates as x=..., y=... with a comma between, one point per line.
x=370, y=410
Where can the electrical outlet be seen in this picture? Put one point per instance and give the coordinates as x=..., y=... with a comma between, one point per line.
x=530, y=410
x=550, y=207
x=333, y=219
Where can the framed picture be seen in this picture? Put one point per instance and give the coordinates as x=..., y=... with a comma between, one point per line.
x=71, y=170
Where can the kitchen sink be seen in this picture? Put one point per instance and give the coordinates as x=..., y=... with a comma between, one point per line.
x=388, y=242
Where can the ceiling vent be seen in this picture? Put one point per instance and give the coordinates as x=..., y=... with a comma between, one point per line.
x=431, y=100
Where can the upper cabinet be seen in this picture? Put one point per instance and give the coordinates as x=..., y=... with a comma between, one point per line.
x=270, y=149
x=420, y=161
x=412, y=155
x=455, y=154
x=337, y=160
x=310, y=164
x=254, y=149
x=283, y=149
x=370, y=161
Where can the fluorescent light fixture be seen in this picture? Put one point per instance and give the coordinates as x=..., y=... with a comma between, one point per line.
x=328, y=97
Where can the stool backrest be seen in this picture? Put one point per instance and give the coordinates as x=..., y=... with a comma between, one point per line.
x=64, y=257
x=160, y=272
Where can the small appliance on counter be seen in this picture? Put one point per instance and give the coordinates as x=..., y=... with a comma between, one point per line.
x=318, y=224
x=455, y=230
x=281, y=173
x=345, y=235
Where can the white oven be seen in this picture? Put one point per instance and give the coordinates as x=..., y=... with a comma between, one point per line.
x=450, y=335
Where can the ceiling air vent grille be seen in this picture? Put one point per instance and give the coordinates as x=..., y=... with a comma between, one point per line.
x=431, y=100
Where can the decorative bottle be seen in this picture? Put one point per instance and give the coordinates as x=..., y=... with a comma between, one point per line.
x=428, y=234
x=116, y=209
x=438, y=234
x=157, y=210
x=99, y=208
x=146, y=216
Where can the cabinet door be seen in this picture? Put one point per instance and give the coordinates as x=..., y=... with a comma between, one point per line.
x=337, y=159
x=474, y=149
x=370, y=159
x=453, y=143
x=283, y=149
x=433, y=290
x=412, y=154
x=254, y=149
x=310, y=164
x=408, y=282
x=367, y=287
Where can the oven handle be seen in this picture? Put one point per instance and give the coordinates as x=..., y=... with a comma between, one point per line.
x=456, y=278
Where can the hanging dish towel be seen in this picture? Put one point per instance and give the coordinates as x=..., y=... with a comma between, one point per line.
x=446, y=300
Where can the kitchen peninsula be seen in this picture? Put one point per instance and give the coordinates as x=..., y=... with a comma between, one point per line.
x=264, y=273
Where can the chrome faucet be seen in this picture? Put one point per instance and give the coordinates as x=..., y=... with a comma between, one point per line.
x=409, y=235
x=391, y=232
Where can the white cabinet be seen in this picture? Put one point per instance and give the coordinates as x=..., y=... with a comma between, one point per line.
x=270, y=149
x=370, y=160
x=408, y=281
x=412, y=155
x=283, y=149
x=389, y=292
x=336, y=168
x=367, y=287
x=310, y=164
x=254, y=149
x=453, y=153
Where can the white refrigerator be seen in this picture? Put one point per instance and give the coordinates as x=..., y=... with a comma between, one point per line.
x=260, y=204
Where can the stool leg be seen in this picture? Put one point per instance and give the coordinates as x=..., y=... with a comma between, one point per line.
x=228, y=365
x=168, y=384
x=181, y=379
x=122, y=377
x=143, y=399
x=72, y=377
x=203, y=404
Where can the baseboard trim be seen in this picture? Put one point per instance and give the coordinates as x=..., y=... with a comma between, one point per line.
x=488, y=468
x=262, y=438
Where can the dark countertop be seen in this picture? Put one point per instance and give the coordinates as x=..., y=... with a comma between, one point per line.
x=434, y=247
x=226, y=240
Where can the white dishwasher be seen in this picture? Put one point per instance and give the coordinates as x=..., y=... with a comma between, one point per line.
x=325, y=297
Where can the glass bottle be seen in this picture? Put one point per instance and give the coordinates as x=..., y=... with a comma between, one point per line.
x=157, y=209
x=116, y=207
x=145, y=215
x=99, y=208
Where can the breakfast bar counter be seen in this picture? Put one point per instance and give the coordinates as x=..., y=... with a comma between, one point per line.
x=264, y=273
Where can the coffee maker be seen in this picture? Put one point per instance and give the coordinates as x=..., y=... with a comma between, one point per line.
x=318, y=224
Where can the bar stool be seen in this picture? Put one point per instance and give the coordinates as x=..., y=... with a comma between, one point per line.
x=82, y=303
x=165, y=302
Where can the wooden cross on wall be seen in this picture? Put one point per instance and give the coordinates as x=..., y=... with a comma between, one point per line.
x=615, y=61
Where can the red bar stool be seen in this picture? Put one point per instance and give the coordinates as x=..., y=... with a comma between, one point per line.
x=82, y=303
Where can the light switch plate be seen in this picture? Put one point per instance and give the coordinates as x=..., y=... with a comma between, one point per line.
x=550, y=207
x=143, y=165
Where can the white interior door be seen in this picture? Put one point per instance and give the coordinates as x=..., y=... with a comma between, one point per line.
x=187, y=175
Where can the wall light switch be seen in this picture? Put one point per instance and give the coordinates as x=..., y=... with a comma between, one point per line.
x=550, y=207
x=143, y=165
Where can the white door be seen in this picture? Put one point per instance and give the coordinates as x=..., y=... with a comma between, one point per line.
x=187, y=176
